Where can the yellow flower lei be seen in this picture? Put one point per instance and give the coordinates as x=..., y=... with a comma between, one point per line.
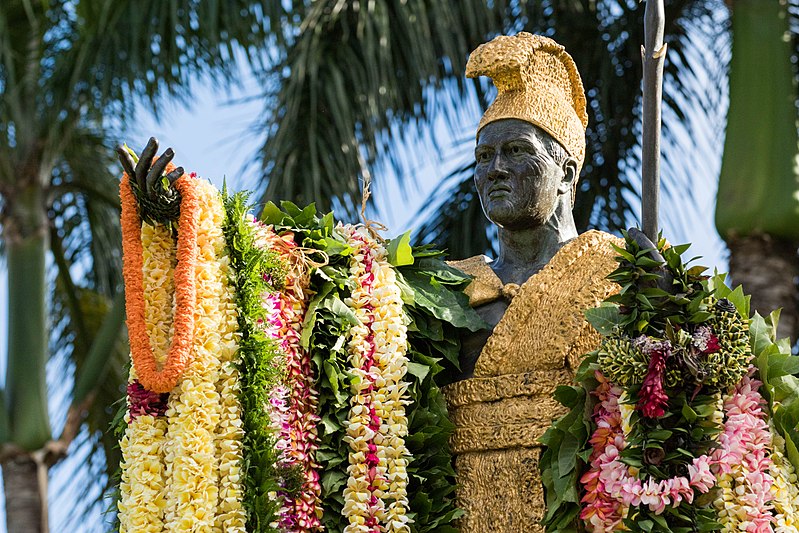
x=380, y=316
x=143, y=499
x=785, y=490
x=195, y=407
x=183, y=472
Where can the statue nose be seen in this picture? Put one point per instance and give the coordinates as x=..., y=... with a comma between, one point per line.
x=497, y=169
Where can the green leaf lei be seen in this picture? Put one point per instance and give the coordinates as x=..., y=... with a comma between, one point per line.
x=257, y=356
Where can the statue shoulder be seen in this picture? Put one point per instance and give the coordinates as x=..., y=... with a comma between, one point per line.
x=485, y=286
x=593, y=247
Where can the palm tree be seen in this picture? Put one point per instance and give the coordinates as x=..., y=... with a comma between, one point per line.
x=70, y=72
x=359, y=76
x=757, y=211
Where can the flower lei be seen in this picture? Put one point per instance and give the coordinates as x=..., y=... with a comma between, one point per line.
x=294, y=405
x=194, y=466
x=163, y=380
x=741, y=460
x=784, y=488
x=143, y=484
x=376, y=491
x=181, y=466
x=683, y=434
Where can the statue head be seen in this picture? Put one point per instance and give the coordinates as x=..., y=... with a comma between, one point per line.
x=522, y=174
x=531, y=140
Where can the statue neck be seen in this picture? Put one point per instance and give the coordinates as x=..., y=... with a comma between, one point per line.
x=523, y=252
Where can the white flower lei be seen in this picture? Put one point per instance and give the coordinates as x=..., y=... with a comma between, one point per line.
x=376, y=495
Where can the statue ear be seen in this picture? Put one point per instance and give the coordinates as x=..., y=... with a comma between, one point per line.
x=569, y=167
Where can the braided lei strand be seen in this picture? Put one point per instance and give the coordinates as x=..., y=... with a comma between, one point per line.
x=375, y=499
x=293, y=405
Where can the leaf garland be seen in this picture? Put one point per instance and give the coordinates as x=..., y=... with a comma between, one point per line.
x=436, y=310
x=252, y=266
x=671, y=301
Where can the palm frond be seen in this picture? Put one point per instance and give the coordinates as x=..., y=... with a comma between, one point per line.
x=357, y=78
x=352, y=86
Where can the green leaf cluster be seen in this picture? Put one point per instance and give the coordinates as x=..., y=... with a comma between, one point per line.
x=664, y=300
x=259, y=369
x=567, y=450
x=653, y=293
x=778, y=370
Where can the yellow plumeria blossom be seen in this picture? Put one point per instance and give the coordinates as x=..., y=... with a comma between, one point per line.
x=375, y=498
x=203, y=452
x=785, y=490
x=230, y=431
x=142, y=489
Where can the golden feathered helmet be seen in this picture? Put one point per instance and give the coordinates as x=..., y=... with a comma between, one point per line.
x=538, y=82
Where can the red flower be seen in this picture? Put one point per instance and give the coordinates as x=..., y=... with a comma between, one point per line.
x=652, y=399
x=145, y=402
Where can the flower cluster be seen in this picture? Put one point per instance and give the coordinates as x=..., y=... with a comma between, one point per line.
x=741, y=463
x=295, y=405
x=375, y=499
x=143, y=485
x=785, y=487
x=144, y=402
x=652, y=399
x=196, y=411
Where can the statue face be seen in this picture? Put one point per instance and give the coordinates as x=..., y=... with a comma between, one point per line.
x=517, y=178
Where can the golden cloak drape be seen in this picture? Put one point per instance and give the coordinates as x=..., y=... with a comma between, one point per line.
x=507, y=406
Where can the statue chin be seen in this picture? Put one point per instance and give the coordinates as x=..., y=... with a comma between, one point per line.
x=510, y=218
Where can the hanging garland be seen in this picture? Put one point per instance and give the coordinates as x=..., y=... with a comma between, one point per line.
x=293, y=402
x=307, y=399
x=165, y=379
x=376, y=492
x=189, y=437
x=688, y=431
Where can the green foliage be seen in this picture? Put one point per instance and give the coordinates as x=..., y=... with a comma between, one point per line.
x=355, y=80
x=646, y=305
x=566, y=451
x=258, y=362
x=778, y=369
x=664, y=301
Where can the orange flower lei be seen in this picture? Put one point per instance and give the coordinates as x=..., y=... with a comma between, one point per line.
x=179, y=355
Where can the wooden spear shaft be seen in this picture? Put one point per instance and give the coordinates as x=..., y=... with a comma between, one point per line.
x=654, y=55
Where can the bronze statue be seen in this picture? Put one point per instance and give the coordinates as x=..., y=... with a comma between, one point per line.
x=530, y=148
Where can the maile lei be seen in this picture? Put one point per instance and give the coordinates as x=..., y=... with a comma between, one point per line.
x=692, y=411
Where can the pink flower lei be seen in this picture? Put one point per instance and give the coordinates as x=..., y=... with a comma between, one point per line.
x=293, y=405
x=611, y=488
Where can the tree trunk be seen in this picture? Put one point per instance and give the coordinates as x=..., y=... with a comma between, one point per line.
x=25, y=393
x=768, y=269
x=25, y=493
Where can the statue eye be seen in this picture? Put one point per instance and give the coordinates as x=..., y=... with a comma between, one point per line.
x=483, y=156
x=516, y=149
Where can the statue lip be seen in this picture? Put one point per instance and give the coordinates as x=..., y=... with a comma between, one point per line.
x=499, y=188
